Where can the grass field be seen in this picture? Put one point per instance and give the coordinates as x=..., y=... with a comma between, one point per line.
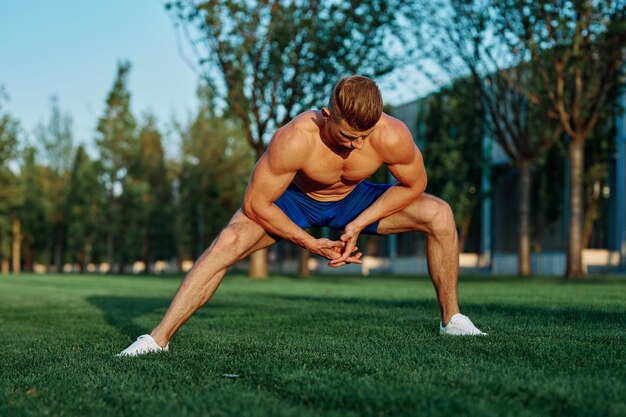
x=324, y=346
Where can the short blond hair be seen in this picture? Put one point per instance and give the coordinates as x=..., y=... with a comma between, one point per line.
x=357, y=100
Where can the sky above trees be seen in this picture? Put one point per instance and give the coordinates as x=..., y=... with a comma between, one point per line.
x=70, y=49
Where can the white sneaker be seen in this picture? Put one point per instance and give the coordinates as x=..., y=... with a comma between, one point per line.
x=144, y=344
x=460, y=325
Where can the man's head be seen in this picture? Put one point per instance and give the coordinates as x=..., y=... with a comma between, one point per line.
x=355, y=106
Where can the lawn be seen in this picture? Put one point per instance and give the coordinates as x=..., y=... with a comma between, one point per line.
x=323, y=346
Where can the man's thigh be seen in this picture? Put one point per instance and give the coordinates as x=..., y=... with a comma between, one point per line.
x=416, y=217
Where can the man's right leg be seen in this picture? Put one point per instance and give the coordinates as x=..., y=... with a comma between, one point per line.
x=239, y=239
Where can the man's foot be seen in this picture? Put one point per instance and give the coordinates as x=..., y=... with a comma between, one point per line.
x=144, y=344
x=460, y=325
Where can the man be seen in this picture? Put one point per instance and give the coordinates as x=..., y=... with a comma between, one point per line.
x=312, y=174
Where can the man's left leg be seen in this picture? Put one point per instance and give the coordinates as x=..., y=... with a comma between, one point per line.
x=433, y=217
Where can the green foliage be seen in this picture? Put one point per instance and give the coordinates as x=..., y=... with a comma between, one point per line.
x=270, y=61
x=216, y=163
x=85, y=203
x=548, y=192
x=9, y=130
x=10, y=192
x=599, y=154
x=56, y=141
x=116, y=130
x=11, y=201
x=326, y=346
x=118, y=146
x=452, y=123
x=575, y=48
x=35, y=219
x=156, y=205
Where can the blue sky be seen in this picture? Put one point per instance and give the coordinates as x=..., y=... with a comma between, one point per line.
x=70, y=49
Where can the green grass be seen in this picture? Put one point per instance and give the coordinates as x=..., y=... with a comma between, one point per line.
x=325, y=346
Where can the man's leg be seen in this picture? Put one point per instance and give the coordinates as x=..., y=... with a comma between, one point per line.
x=433, y=217
x=240, y=238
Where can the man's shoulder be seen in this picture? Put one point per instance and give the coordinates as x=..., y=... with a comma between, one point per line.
x=393, y=140
x=296, y=139
x=300, y=131
x=308, y=121
x=391, y=130
x=390, y=122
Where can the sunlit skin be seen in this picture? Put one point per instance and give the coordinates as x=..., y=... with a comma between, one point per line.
x=326, y=159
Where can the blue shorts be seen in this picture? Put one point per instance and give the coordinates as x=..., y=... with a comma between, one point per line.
x=307, y=212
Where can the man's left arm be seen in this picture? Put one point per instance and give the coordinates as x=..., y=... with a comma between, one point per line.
x=405, y=163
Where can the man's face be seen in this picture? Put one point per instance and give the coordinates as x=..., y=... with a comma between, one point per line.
x=342, y=134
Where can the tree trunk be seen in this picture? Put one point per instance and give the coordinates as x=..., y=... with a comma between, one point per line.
x=5, y=266
x=121, y=266
x=17, y=245
x=110, y=250
x=574, y=243
x=88, y=252
x=147, y=254
x=180, y=250
x=28, y=258
x=524, y=266
x=258, y=264
x=58, y=249
x=80, y=259
x=303, y=263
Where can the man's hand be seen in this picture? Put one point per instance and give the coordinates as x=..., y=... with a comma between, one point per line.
x=329, y=249
x=334, y=250
x=348, y=238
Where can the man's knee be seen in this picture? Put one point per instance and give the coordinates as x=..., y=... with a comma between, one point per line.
x=441, y=218
x=228, y=237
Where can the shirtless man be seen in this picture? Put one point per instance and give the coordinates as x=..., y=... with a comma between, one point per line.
x=313, y=174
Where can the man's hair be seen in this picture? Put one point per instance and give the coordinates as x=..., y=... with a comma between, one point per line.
x=357, y=100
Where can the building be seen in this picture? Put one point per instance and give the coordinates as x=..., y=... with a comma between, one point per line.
x=497, y=251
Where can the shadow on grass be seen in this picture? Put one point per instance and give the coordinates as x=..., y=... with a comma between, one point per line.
x=530, y=313
x=122, y=312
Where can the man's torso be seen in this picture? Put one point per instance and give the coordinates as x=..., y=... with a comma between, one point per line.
x=329, y=174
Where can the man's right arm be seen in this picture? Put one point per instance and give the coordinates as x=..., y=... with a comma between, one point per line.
x=271, y=176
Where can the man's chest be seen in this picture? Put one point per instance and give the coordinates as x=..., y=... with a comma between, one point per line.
x=329, y=168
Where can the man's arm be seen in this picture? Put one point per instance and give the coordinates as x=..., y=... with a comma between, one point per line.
x=405, y=163
x=272, y=174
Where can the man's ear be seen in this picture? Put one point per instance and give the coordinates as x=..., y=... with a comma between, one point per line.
x=325, y=113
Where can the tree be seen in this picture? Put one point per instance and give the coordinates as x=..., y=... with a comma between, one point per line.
x=462, y=38
x=157, y=234
x=270, y=60
x=9, y=191
x=599, y=151
x=85, y=202
x=9, y=130
x=116, y=139
x=34, y=220
x=576, y=48
x=454, y=148
x=56, y=141
x=215, y=162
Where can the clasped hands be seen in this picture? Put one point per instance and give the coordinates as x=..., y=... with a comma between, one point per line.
x=343, y=251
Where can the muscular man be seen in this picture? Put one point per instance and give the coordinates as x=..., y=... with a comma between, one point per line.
x=313, y=174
